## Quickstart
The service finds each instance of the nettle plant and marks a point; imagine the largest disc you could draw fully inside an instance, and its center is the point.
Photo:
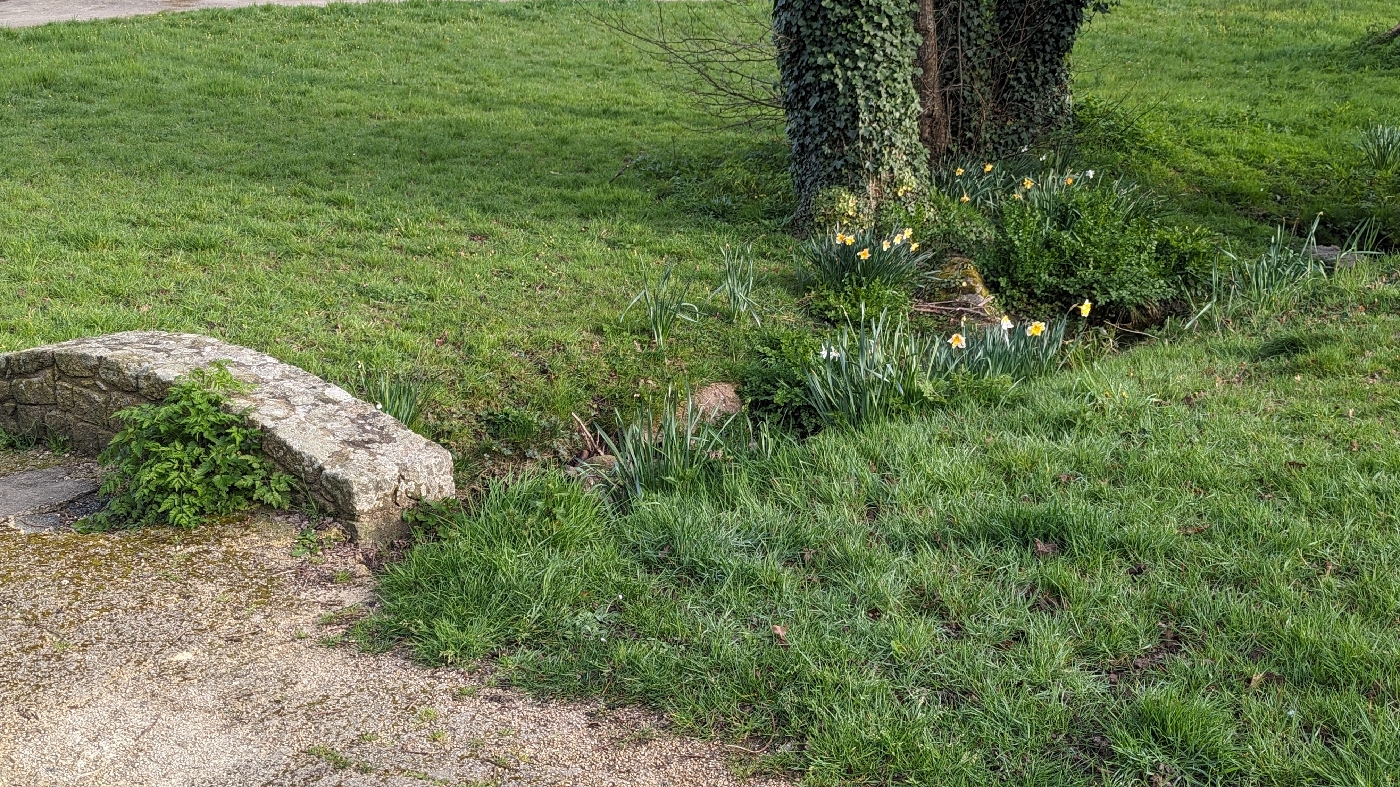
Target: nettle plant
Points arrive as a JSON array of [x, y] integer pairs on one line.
[[186, 459]]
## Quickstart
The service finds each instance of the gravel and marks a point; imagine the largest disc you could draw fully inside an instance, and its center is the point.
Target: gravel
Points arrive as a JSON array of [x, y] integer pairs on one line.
[[210, 657]]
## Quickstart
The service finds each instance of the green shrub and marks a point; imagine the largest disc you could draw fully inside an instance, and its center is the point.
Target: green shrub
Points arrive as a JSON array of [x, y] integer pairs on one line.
[[774, 381], [186, 459], [1067, 238], [946, 225]]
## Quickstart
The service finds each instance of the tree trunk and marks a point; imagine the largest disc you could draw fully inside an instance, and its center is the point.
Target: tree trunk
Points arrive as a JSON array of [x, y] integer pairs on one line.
[[935, 130], [1392, 34]]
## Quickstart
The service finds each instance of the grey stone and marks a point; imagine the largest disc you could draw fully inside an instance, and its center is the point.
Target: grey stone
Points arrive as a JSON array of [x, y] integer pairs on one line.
[[29, 419], [25, 362], [360, 463], [33, 390], [86, 404], [37, 491], [76, 364]]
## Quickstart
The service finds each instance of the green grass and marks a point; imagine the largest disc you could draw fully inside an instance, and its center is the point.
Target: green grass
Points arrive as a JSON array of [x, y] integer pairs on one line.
[[427, 189], [1247, 110], [1182, 562]]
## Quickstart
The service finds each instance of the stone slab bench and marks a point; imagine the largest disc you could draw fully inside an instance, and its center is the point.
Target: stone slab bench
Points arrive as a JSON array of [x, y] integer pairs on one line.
[[356, 461]]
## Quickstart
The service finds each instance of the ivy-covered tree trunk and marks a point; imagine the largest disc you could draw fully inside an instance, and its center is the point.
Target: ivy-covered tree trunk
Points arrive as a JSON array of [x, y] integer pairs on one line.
[[994, 74], [876, 91], [849, 96]]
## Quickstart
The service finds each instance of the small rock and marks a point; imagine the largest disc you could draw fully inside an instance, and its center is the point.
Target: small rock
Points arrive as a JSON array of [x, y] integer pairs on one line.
[[716, 402]]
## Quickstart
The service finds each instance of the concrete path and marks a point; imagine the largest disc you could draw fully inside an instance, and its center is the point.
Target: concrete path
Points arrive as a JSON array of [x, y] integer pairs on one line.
[[27, 13]]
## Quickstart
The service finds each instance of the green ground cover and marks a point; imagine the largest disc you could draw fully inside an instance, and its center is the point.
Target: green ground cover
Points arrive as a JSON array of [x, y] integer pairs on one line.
[[427, 188], [1175, 565], [1247, 112], [1180, 564]]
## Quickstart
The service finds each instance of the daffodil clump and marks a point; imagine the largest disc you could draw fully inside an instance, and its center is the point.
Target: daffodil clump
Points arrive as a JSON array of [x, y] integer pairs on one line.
[[845, 270], [878, 367]]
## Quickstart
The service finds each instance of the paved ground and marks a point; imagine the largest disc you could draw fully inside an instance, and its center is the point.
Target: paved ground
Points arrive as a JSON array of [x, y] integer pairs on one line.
[[161, 658], [26, 13]]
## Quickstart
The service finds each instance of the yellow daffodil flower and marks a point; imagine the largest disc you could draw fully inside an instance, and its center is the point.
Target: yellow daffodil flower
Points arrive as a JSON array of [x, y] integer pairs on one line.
[[863, 254], [987, 167], [887, 246], [1006, 323], [966, 198], [1035, 328], [958, 172], [913, 247], [1085, 307], [1069, 181], [1027, 184], [957, 341], [1017, 195]]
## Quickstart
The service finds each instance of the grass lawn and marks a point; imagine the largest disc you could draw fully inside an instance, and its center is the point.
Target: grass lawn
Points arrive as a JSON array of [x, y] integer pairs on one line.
[[1180, 563], [427, 188], [1246, 111], [1176, 565]]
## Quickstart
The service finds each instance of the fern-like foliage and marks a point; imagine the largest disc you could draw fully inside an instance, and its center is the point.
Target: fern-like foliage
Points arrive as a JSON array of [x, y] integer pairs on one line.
[[186, 459]]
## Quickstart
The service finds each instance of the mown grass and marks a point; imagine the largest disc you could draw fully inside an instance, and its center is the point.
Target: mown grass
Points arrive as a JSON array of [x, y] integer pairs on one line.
[[1247, 112], [430, 189], [1181, 564]]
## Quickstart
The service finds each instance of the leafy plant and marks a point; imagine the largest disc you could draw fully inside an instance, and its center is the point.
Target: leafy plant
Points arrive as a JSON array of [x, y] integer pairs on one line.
[[870, 369], [1069, 236], [664, 304], [774, 380], [1381, 146], [736, 286], [396, 395], [658, 449], [186, 459]]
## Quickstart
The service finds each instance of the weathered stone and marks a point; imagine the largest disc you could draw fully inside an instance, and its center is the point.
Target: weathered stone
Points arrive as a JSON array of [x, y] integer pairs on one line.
[[29, 419], [76, 364], [33, 390], [357, 461], [28, 498], [119, 369], [25, 362], [115, 402], [8, 421], [85, 404]]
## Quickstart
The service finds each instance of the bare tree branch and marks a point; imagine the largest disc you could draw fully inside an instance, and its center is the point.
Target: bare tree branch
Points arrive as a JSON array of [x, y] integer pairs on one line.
[[725, 51]]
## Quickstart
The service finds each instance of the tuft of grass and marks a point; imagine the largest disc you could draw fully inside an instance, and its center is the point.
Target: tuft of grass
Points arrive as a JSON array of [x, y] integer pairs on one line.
[[395, 394], [736, 286], [665, 447], [1381, 146], [663, 305]]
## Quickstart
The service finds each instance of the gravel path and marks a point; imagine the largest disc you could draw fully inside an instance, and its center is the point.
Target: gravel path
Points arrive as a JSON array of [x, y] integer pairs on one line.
[[27, 13], [208, 658]]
